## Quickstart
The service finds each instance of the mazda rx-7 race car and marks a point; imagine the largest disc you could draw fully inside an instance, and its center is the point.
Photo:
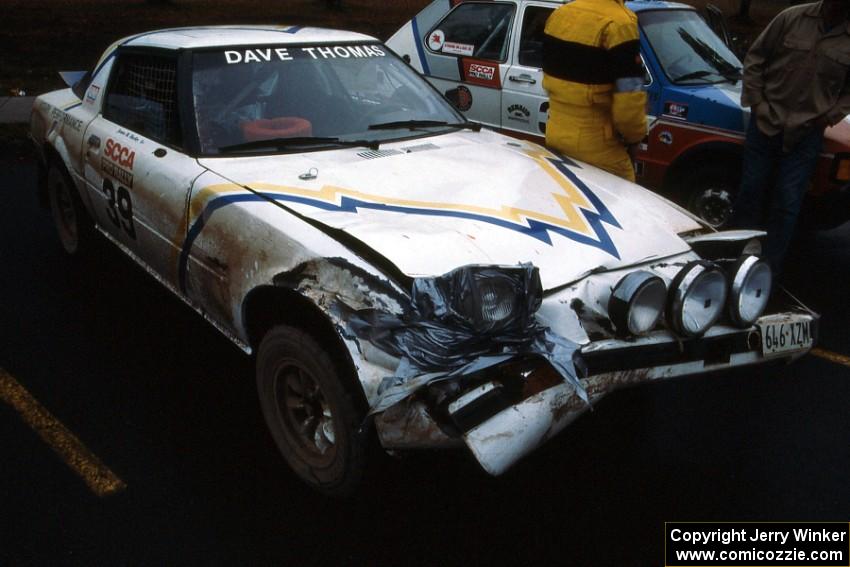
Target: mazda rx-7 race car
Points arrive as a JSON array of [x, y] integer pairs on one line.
[[395, 269]]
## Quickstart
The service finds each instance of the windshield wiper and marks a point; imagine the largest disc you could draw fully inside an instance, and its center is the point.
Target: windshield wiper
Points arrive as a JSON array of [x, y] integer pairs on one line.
[[696, 75], [300, 142], [727, 70], [414, 124]]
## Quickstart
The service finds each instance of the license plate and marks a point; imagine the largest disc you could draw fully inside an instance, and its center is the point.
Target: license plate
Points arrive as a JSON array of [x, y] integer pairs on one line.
[[785, 333]]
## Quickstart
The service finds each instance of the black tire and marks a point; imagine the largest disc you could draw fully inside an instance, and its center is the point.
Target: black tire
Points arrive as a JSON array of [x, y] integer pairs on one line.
[[711, 189], [70, 219], [311, 410]]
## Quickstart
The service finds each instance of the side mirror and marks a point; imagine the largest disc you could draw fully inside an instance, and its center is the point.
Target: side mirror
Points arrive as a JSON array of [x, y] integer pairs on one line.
[[81, 86]]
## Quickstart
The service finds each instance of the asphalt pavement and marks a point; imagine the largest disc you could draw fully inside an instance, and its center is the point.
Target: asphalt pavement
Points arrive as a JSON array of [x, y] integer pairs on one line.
[[169, 407], [15, 109]]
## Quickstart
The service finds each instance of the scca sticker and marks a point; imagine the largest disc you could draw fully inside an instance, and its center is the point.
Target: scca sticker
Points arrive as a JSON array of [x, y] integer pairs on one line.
[[121, 155], [481, 73]]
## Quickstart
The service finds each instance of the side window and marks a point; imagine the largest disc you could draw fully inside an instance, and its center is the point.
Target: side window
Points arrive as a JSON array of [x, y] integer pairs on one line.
[[474, 29], [531, 37], [143, 97]]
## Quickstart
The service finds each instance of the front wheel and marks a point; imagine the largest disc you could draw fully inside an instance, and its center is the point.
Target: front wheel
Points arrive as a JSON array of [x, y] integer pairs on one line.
[[311, 410], [712, 192]]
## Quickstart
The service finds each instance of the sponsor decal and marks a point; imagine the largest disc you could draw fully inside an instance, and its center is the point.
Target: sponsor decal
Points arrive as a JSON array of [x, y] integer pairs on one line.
[[92, 93], [58, 115], [665, 137], [267, 54], [436, 40], [676, 110], [460, 97], [121, 155], [480, 73], [121, 175], [518, 112], [453, 48]]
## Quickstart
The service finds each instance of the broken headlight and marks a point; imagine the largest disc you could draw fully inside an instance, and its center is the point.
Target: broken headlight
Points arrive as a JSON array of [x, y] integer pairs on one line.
[[750, 290], [696, 299], [485, 299], [637, 302]]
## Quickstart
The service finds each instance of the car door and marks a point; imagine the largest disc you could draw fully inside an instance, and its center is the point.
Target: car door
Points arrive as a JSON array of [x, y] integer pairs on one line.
[[468, 52], [525, 104], [137, 175]]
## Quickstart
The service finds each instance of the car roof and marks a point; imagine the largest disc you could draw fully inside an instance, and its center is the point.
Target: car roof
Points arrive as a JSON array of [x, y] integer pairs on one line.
[[216, 36], [637, 5], [643, 5]]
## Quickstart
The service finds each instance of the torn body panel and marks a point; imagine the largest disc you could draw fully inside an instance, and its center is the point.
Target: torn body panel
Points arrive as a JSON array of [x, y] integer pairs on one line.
[[504, 410], [501, 439], [219, 267]]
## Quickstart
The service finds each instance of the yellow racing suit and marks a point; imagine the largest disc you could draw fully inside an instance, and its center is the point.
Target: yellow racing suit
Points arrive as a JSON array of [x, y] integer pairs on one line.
[[594, 75]]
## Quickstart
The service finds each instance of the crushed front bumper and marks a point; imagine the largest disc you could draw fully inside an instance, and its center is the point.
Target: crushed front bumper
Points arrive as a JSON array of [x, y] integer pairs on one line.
[[501, 422]]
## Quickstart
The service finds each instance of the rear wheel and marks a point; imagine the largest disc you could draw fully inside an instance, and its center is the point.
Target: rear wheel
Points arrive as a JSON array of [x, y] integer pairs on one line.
[[311, 410], [70, 218]]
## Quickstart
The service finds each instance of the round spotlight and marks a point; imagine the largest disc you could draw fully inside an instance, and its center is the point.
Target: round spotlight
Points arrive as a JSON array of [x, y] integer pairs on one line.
[[697, 298], [636, 303], [750, 290]]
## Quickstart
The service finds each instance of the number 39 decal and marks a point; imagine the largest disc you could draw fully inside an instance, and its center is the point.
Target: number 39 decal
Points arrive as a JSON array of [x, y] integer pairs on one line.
[[119, 207]]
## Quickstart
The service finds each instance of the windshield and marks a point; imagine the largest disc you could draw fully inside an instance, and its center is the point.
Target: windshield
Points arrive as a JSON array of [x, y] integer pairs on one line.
[[312, 97], [688, 51]]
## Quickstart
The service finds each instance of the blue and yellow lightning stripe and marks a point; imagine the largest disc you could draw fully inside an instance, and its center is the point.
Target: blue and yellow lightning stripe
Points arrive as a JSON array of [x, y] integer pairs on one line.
[[582, 221]]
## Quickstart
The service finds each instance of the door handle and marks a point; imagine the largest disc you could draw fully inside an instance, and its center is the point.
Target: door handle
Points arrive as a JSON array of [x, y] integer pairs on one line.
[[94, 141], [522, 79]]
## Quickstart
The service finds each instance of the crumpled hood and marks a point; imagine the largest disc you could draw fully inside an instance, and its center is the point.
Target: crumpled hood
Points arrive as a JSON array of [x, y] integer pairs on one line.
[[433, 204]]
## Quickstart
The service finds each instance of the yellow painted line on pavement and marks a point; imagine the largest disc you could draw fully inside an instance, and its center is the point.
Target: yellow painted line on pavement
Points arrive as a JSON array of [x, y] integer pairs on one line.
[[94, 473], [831, 356]]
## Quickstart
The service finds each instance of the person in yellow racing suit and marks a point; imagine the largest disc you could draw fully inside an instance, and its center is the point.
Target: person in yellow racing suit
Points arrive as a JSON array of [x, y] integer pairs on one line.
[[594, 75]]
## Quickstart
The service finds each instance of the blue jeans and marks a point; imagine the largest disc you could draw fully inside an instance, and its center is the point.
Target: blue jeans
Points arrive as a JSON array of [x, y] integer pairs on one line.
[[773, 185]]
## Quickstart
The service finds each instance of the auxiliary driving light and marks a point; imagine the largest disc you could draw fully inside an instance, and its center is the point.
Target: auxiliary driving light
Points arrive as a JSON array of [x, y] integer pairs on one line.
[[750, 290], [637, 303], [697, 297]]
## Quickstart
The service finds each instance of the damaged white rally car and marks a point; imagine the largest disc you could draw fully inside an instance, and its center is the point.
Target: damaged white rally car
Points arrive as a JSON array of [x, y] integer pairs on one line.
[[395, 269]]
